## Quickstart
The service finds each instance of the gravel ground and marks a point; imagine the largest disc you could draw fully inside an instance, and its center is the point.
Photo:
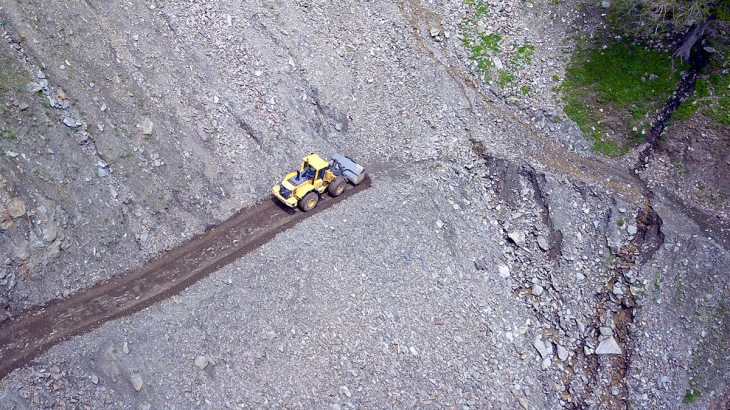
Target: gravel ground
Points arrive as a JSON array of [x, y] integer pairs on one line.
[[494, 263]]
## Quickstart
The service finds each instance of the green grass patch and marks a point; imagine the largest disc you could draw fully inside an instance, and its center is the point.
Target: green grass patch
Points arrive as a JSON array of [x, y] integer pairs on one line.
[[611, 89], [7, 133], [691, 396]]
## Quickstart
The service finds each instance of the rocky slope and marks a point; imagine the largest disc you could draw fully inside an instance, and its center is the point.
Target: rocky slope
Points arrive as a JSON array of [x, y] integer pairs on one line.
[[495, 263]]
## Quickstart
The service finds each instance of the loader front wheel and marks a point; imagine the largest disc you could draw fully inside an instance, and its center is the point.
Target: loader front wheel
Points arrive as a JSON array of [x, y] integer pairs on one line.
[[337, 187], [309, 201]]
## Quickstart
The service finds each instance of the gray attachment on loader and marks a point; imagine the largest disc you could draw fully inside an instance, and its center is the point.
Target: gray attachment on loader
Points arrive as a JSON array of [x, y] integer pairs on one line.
[[347, 168]]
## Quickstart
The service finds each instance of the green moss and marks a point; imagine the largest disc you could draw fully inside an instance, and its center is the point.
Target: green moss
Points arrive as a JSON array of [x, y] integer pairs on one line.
[[685, 110], [691, 396], [619, 80], [702, 88]]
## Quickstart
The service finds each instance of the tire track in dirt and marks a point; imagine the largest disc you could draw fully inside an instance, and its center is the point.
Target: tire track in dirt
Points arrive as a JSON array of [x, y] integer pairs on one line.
[[35, 331]]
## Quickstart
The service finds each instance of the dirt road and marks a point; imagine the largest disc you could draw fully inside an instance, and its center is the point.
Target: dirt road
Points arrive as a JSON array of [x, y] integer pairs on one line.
[[26, 336]]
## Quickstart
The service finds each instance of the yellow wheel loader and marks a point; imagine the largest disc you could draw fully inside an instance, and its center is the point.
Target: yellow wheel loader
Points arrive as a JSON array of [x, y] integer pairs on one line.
[[303, 187]]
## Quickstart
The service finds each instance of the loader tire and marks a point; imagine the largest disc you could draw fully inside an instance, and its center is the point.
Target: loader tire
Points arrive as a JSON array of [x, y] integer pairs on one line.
[[337, 187], [309, 201]]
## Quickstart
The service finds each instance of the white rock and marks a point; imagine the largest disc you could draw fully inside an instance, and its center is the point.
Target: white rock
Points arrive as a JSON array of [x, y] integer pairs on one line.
[[562, 353], [631, 229], [136, 381], [503, 271], [146, 126], [540, 347], [201, 362], [608, 346], [518, 237]]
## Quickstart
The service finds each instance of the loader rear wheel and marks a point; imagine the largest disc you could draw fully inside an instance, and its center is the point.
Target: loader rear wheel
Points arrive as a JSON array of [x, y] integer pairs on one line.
[[309, 201], [337, 187]]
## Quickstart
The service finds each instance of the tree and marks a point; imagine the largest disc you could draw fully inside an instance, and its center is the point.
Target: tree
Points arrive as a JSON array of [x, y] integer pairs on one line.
[[659, 18]]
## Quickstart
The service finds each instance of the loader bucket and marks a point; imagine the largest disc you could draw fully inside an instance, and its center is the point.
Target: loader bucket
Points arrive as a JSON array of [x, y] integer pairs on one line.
[[347, 168]]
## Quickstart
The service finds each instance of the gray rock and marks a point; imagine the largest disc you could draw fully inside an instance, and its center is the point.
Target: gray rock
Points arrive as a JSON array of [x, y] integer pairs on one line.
[[562, 353], [540, 347], [95, 379], [125, 348], [618, 289], [480, 264], [608, 346], [271, 335], [537, 290], [70, 122], [34, 87], [201, 362], [631, 229], [137, 381], [543, 243], [143, 237], [606, 331], [518, 238], [146, 126]]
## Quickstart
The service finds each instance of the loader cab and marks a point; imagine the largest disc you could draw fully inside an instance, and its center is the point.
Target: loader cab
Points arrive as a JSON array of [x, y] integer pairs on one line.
[[314, 167]]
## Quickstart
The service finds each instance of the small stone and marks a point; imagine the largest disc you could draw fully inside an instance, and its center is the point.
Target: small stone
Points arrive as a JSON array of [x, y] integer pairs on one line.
[[95, 379], [480, 264], [16, 209], [618, 289], [503, 271], [125, 348], [271, 335], [608, 346], [136, 381], [146, 126], [143, 237], [631, 229], [543, 243], [518, 238], [562, 353], [414, 351], [103, 107], [439, 223], [540, 347], [11, 154], [606, 4], [70, 122], [606, 331], [537, 290], [201, 362], [34, 87]]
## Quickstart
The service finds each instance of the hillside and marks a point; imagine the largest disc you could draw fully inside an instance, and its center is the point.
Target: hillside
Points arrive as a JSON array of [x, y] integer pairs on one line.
[[495, 262]]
